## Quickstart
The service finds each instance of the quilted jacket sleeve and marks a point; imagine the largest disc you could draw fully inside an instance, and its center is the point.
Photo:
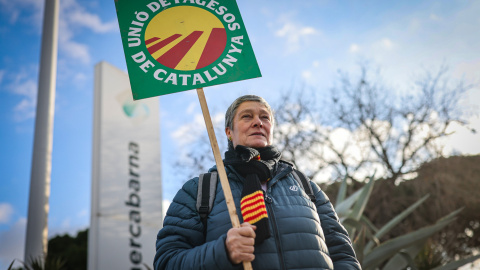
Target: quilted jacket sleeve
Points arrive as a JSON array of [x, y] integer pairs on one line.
[[181, 242], [336, 237]]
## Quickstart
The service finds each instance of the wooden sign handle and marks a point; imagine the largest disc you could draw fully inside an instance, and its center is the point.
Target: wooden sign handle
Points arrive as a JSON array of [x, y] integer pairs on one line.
[[220, 168]]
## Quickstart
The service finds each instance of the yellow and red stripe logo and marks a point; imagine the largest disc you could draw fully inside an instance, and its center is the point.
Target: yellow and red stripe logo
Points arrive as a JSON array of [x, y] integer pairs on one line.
[[185, 38], [253, 207]]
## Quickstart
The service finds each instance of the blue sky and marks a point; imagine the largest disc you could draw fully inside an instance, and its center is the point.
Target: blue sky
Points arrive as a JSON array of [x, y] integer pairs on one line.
[[295, 42]]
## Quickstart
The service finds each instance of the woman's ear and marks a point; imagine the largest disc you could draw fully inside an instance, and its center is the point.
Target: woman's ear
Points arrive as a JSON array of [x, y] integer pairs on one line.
[[228, 132]]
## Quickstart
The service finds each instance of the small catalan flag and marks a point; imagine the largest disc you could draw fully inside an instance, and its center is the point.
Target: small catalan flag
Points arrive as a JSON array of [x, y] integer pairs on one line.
[[253, 208]]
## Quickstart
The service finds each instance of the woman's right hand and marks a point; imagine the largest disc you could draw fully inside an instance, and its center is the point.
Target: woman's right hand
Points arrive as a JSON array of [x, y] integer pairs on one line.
[[239, 243]]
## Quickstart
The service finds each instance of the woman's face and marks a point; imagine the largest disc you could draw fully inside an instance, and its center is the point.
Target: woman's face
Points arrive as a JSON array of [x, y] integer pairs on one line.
[[252, 125]]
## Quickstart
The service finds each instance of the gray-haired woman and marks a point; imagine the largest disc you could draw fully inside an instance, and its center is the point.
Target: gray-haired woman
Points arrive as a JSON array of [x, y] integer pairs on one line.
[[283, 228]]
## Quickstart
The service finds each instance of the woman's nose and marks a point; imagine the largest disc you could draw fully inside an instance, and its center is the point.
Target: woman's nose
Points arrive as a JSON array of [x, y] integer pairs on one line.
[[257, 122]]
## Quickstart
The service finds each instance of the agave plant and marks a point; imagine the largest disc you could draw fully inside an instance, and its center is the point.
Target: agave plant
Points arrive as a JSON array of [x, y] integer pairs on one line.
[[40, 264], [396, 253]]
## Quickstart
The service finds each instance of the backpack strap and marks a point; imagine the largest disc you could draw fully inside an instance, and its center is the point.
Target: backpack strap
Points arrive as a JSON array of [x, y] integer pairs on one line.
[[304, 184], [207, 186]]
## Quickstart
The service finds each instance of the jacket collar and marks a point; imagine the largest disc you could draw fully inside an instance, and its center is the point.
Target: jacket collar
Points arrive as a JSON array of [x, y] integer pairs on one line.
[[282, 170]]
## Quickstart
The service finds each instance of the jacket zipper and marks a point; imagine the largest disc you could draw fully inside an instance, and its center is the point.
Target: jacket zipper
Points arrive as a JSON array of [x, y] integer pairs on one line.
[[269, 201]]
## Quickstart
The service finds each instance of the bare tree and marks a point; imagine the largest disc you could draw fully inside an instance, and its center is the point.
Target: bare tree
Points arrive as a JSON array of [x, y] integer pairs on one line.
[[368, 127], [197, 156]]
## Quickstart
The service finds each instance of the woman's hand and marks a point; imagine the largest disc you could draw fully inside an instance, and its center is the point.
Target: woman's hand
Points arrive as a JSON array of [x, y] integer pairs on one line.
[[240, 243]]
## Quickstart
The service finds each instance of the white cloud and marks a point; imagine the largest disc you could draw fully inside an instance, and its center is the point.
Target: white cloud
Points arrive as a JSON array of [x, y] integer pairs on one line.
[[426, 37], [387, 43], [165, 205], [74, 17], [77, 16], [307, 31], [189, 132], [194, 135], [83, 213], [80, 78], [75, 50], [6, 211], [65, 227], [23, 85], [382, 45], [66, 223], [463, 140], [469, 69], [13, 243], [295, 34], [191, 108], [306, 75], [434, 17], [354, 48], [70, 225], [80, 17], [25, 109], [30, 11]]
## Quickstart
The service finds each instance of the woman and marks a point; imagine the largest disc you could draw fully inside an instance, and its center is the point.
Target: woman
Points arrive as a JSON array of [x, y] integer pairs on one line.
[[285, 229]]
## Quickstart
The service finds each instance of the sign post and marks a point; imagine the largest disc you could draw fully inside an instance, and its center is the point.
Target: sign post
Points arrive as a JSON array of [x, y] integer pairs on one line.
[[218, 160], [178, 45]]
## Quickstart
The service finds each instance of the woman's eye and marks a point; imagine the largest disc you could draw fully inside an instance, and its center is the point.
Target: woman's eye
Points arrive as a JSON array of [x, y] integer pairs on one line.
[[245, 116]]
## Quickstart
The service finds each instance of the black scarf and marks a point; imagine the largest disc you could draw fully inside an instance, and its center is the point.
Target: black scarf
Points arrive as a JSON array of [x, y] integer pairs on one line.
[[256, 166]]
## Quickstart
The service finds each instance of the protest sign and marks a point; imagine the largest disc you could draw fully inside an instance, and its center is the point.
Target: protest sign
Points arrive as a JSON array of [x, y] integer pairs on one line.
[[177, 45]]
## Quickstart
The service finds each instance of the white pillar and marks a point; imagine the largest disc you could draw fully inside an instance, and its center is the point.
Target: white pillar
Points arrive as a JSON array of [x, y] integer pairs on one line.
[[37, 224]]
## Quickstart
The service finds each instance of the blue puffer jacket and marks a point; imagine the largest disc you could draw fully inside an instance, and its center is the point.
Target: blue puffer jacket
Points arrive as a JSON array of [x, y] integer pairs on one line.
[[300, 239]]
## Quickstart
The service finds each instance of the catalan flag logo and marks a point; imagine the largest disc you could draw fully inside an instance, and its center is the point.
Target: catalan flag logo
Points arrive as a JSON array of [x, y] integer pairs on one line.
[[185, 38], [253, 207]]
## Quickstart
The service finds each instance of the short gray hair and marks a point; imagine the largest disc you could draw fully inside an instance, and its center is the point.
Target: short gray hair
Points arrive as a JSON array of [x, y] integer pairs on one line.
[[232, 109]]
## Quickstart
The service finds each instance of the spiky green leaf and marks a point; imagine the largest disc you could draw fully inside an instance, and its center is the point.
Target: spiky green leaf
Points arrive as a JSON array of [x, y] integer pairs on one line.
[[10, 266], [395, 221], [342, 192], [400, 261], [409, 259], [345, 206], [359, 244], [391, 247], [362, 201], [456, 264]]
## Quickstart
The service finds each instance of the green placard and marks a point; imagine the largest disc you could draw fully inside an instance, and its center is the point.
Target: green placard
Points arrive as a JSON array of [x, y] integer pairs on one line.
[[177, 45]]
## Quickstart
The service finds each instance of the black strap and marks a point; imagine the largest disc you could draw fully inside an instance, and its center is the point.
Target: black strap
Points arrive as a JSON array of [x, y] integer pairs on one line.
[[304, 183], [203, 210], [207, 185]]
